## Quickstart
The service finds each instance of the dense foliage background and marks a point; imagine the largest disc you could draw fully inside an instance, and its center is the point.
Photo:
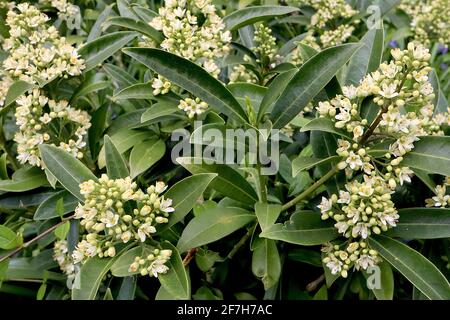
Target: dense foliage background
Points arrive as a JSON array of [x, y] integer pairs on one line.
[[93, 204]]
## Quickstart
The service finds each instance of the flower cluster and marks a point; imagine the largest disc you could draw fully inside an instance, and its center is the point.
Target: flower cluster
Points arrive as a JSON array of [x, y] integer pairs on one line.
[[193, 107], [194, 31], [363, 209], [265, 45], [65, 9], [65, 261], [430, 20], [116, 211], [324, 18], [356, 253], [5, 83], [404, 95], [36, 51], [41, 120], [295, 57], [153, 264], [441, 199], [241, 74]]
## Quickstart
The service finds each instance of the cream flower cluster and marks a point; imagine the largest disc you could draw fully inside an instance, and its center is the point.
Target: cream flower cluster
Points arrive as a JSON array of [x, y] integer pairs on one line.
[[5, 83], [441, 198], [65, 261], [265, 44], [363, 209], [356, 253], [36, 51], [193, 107], [295, 57], [405, 96], [241, 74], [430, 20], [194, 31], [42, 120], [322, 21], [116, 211], [65, 9], [153, 264]]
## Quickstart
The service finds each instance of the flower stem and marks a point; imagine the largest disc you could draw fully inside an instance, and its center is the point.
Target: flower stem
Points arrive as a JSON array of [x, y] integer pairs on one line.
[[242, 241], [310, 190]]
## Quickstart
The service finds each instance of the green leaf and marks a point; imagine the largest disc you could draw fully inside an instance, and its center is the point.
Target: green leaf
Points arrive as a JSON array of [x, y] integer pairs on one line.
[[9, 239], [422, 223], [135, 25], [228, 182], [100, 49], [440, 102], [415, 267], [305, 228], [184, 195], [190, 77], [145, 154], [92, 83], [47, 209], [124, 139], [305, 163], [367, 58], [96, 29], [90, 276], [127, 289], [274, 90], [326, 125], [62, 230], [243, 90], [213, 225], [310, 79], [430, 154], [26, 178], [266, 263], [69, 171], [3, 167], [116, 166], [250, 15], [267, 214], [159, 110], [120, 76], [17, 89], [135, 91], [386, 283], [176, 281]]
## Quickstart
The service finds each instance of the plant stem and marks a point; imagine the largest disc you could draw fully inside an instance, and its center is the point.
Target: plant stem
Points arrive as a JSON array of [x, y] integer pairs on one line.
[[314, 284], [39, 236], [242, 241], [190, 255], [373, 126], [310, 190]]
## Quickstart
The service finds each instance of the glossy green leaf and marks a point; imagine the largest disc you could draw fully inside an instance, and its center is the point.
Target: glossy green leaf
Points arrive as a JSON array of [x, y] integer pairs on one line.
[[135, 25], [422, 223], [367, 58], [191, 77], [310, 79], [250, 15], [145, 154], [69, 171], [24, 179], [47, 209], [8, 238], [415, 267], [212, 226], [267, 214], [304, 228], [266, 263], [62, 230], [430, 154], [141, 91], [158, 110], [185, 193], [91, 275], [384, 288], [116, 166], [176, 281], [305, 163], [228, 182], [100, 49], [17, 89], [325, 125], [124, 140]]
